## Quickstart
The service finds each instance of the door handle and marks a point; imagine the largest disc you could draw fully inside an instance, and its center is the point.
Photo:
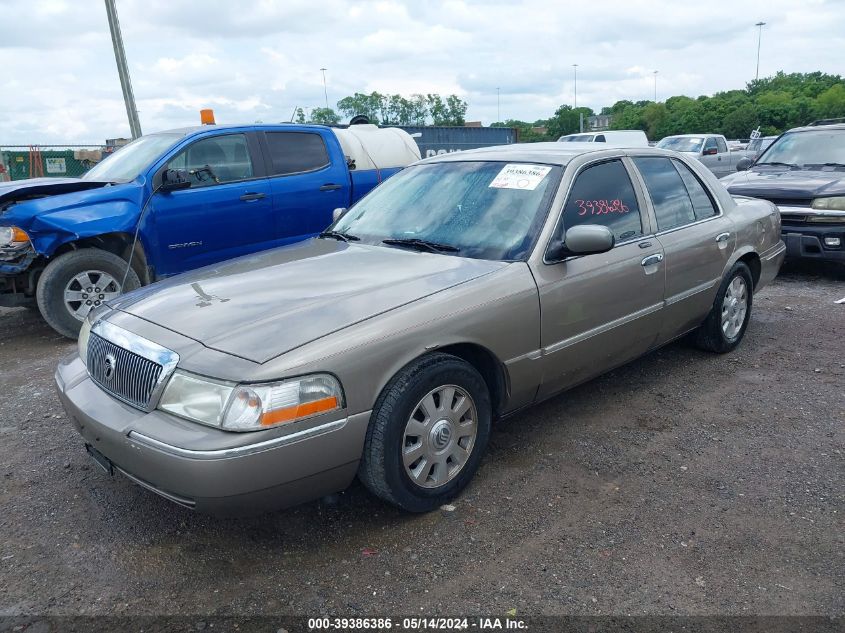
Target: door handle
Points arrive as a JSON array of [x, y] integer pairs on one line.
[[652, 259], [247, 197], [723, 237], [330, 187]]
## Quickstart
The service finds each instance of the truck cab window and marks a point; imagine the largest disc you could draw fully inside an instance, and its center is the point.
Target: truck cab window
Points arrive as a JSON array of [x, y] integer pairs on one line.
[[296, 152], [215, 160]]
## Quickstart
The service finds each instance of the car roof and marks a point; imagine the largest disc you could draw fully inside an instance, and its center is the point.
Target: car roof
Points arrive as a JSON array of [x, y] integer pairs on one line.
[[810, 128], [552, 152], [194, 129]]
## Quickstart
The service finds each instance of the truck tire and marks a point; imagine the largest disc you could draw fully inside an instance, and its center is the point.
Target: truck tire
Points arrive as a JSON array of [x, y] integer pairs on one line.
[[725, 326], [75, 283], [427, 434]]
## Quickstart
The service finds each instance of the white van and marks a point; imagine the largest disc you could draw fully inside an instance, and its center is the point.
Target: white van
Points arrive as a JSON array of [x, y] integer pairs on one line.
[[613, 138]]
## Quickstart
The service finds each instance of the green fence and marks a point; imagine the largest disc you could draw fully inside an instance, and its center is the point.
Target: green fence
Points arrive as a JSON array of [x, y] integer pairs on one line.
[[68, 161]]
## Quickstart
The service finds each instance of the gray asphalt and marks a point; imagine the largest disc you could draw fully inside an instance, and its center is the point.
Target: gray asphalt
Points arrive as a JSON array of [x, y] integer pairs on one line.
[[683, 483]]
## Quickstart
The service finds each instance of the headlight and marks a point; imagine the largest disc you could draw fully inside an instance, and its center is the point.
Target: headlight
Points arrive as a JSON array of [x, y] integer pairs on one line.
[[829, 204], [12, 236], [250, 407]]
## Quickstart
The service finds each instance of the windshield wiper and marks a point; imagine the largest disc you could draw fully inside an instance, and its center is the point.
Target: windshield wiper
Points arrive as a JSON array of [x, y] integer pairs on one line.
[[421, 245], [824, 165], [790, 165], [340, 236]]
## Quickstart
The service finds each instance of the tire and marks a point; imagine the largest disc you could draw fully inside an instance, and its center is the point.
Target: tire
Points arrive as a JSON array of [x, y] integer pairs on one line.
[[714, 335], [397, 413], [69, 275]]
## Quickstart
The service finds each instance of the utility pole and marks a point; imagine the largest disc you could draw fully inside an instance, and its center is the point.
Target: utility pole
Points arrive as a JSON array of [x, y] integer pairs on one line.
[[325, 92], [498, 106], [759, 26], [655, 86], [123, 70], [575, 69]]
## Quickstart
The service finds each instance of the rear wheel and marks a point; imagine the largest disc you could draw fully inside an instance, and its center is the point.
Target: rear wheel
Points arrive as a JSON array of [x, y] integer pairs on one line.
[[428, 433], [725, 326], [75, 283]]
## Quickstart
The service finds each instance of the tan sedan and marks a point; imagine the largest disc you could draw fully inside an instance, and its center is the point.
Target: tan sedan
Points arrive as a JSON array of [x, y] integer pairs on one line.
[[461, 290]]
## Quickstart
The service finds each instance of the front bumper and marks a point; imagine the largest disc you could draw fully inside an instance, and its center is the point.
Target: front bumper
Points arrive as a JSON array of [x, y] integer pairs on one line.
[[207, 469], [806, 239]]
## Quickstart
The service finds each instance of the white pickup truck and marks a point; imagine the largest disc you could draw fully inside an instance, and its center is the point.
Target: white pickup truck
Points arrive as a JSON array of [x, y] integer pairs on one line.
[[710, 149]]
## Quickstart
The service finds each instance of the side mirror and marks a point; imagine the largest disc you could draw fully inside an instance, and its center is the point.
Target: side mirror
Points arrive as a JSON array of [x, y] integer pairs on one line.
[[338, 213], [174, 179], [710, 152], [584, 239], [744, 163]]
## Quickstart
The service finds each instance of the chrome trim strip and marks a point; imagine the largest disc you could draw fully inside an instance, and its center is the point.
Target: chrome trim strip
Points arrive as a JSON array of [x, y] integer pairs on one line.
[[686, 294], [833, 213], [238, 451], [776, 250], [555, 347], [534, 354], [145, 348]]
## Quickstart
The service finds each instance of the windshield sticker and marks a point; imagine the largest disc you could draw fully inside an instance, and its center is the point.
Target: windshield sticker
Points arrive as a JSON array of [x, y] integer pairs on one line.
[[519, 176]]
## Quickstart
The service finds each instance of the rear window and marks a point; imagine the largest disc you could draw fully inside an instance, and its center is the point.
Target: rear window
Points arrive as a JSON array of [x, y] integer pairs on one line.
[[296, 152]]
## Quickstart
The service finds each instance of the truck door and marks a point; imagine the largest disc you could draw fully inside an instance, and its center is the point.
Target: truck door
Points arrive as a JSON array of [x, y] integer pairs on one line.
[[308, 180], [226, 212]]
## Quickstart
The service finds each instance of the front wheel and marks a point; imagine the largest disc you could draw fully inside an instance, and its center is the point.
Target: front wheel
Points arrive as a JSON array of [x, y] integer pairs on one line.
[[75, 283], [428, 433], [725, 326]]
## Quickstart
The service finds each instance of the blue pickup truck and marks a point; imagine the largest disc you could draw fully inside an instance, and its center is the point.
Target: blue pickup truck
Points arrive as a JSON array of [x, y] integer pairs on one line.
[[177, 200]]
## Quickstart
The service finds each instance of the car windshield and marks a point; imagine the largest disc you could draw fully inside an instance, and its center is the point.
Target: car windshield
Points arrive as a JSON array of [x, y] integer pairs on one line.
[[816, 147], [682, 143], [485, 210], [127, 162]]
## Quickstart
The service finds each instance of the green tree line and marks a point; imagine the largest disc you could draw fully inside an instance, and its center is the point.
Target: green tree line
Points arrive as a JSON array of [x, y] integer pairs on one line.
[[418, 109], [773, 104]]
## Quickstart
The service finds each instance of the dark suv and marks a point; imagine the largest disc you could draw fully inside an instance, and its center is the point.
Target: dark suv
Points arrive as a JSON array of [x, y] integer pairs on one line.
[[803, 173]]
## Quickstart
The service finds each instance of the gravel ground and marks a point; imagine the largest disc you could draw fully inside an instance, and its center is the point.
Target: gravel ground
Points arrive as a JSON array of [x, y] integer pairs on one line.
[[683, 483]]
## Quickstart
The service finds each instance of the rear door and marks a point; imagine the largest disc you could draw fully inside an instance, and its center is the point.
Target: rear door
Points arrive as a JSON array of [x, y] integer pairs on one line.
[[599, 311], [306, 183], [226, 212], [696, 237]]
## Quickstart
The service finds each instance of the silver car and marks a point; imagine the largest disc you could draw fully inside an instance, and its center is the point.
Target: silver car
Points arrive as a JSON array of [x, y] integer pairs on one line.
[[464, 289]]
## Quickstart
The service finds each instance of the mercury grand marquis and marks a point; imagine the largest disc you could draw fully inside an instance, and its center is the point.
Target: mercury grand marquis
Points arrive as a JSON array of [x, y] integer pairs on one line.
[[465, 288]]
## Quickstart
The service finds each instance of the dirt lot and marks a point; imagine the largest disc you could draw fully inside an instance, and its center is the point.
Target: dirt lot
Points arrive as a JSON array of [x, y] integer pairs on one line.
[[684, 483]]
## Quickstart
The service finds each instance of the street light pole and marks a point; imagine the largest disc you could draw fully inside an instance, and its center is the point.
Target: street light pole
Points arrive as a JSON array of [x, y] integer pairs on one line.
[[575, 70], [498, 106], [655, 86], [759, 26], [123, 70], [325, 91]]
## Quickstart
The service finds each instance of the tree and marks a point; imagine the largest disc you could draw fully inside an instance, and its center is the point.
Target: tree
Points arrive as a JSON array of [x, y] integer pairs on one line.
[[567, 120], [324, 116], [359, 103], [456, 109], [300, 116]]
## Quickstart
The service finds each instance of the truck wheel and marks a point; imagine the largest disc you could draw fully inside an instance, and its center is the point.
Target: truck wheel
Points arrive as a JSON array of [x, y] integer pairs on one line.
[[725, 326], [75, 283], [428, 432]]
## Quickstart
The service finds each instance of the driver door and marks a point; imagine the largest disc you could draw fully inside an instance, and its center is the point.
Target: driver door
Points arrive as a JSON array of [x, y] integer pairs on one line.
[[600, 311]]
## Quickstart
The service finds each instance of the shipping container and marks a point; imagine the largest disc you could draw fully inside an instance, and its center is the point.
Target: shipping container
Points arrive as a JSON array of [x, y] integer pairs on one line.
[[434, 140]]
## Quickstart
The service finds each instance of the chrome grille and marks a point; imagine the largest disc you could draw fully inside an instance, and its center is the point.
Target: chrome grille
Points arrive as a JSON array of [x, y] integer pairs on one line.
[[124, 374]]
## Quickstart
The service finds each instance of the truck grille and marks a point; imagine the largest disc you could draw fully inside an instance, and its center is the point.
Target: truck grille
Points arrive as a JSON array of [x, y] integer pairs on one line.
[[124, 374]]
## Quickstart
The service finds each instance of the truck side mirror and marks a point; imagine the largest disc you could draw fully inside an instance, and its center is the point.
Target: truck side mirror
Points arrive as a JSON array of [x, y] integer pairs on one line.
[[174, 179], [338, 213], [744, 163], [710, 152]]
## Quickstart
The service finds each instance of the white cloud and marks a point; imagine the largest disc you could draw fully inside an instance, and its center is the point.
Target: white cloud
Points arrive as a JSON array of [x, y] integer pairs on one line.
[[261, 59]]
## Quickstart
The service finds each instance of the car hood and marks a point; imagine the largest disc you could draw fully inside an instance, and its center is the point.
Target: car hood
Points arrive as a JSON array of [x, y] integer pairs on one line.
[[771, 182], [260, 306]]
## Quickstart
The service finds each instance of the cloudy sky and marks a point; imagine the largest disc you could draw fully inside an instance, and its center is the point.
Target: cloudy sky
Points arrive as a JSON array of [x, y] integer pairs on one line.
[[259, 59]]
